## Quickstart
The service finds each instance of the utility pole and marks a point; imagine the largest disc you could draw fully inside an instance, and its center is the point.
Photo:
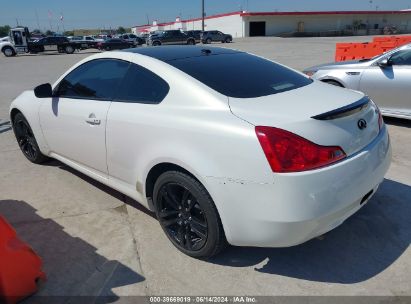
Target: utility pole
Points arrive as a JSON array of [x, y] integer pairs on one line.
[[202, 15], [37, 19]]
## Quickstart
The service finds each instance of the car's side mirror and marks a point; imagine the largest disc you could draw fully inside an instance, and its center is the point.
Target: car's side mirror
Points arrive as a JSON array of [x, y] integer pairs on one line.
[[384, 63], [43, 91]]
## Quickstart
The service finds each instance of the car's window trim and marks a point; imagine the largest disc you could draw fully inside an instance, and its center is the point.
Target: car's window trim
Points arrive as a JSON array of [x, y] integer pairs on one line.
[[88, 98]]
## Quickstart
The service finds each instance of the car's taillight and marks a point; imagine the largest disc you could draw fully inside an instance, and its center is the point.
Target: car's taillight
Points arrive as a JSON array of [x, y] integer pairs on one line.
[[287, 152]]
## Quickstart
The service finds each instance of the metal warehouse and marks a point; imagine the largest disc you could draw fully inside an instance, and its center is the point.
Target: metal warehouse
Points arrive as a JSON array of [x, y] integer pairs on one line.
[[325, 23]]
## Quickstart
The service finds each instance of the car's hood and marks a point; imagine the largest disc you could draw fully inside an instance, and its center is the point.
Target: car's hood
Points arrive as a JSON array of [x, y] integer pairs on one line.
[[339, 65]]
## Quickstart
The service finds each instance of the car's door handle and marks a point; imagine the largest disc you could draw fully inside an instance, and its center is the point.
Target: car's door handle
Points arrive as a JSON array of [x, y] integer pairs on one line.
[[92, 120]]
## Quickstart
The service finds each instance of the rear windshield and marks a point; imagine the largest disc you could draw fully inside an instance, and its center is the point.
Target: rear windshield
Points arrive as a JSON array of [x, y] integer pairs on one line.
[[241, 75]]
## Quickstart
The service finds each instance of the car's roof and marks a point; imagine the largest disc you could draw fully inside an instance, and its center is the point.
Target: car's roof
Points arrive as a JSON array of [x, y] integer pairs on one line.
[[168, 53]]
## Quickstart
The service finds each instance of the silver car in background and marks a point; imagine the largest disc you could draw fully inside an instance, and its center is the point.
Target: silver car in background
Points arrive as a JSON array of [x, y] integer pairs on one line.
[[385, 78]]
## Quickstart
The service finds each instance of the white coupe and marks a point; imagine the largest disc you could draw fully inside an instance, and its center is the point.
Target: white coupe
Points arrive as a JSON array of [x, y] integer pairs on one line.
[[224, 146]]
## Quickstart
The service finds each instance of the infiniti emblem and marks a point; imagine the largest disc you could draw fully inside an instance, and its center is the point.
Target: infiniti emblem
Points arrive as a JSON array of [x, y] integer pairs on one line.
[[362, 124]]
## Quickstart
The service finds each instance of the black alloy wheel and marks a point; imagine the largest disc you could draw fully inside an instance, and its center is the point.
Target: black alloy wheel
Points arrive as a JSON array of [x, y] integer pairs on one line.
[[182, 217], [187, 215], [26, 140]]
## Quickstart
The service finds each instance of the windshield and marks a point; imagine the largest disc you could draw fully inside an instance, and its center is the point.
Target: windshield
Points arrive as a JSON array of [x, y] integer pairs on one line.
[[388, 53]]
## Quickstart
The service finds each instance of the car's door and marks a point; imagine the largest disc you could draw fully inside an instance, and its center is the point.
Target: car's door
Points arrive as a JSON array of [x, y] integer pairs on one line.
[[219, 36], [131, 116], [214, 36], [167, 37], [51, 44], [181, 37], [74, 121], [116, 44], [389, 85]]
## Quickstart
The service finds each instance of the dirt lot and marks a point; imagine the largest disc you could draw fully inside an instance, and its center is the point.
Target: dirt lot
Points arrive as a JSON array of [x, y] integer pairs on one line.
[[95, 241]]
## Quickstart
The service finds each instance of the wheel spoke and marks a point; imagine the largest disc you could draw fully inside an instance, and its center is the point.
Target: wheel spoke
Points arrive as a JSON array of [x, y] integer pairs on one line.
[[170, 222], [180, 236], [199, 228], [185, 196], [188, 242], [166, 213], [170, 198]]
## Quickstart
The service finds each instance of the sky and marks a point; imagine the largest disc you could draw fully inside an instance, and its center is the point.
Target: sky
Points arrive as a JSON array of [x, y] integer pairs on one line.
[[46, 14]]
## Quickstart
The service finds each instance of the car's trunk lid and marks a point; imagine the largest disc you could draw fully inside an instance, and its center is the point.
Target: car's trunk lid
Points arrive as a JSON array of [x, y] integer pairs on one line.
[[319, 112]]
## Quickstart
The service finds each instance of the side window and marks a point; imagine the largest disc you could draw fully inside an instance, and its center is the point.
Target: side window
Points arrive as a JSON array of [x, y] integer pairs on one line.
[[142, 86], [401, 58], [97, 79]]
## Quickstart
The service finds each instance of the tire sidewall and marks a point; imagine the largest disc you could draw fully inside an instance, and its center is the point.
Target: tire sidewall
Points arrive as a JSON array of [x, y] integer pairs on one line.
[[8, 48], [206, 204], [69, 49], [40, 157]]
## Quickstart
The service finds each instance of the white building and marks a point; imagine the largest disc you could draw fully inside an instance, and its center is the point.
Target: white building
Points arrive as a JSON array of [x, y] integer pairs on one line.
[[245, 24]]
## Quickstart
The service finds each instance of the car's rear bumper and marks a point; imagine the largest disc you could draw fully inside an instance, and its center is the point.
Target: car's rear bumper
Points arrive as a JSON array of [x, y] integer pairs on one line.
[[297, 207]]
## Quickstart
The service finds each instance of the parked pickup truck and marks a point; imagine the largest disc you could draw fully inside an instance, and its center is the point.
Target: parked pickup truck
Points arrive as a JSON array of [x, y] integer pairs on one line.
[[170, 37], [20, 42]]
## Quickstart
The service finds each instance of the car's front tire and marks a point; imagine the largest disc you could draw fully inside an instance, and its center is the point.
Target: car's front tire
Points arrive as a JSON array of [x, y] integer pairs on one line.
[[208, 41], [26, 140], [8, 51], [69, 49], [188, 215]]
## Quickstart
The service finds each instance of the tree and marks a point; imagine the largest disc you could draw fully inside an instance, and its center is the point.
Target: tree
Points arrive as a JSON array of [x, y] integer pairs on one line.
[[49, 33], [121, 30], [36, 31], [4, 30], [68, 33]]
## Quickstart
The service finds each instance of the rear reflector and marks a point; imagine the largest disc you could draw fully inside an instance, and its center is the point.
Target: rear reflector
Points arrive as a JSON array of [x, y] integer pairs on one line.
[[287, 152]]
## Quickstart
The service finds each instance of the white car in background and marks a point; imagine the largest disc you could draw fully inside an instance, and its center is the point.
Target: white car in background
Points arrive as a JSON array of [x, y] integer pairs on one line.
[[221, 144], [385, 78]]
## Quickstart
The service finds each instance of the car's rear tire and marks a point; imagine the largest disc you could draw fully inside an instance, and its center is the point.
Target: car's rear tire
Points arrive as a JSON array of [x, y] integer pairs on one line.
[[191, 42], [188, 216], [334, 83], [8, 51], [208, 41], [228, 40], [107, 48], [69, 49], [26, 140], [156, 43]]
